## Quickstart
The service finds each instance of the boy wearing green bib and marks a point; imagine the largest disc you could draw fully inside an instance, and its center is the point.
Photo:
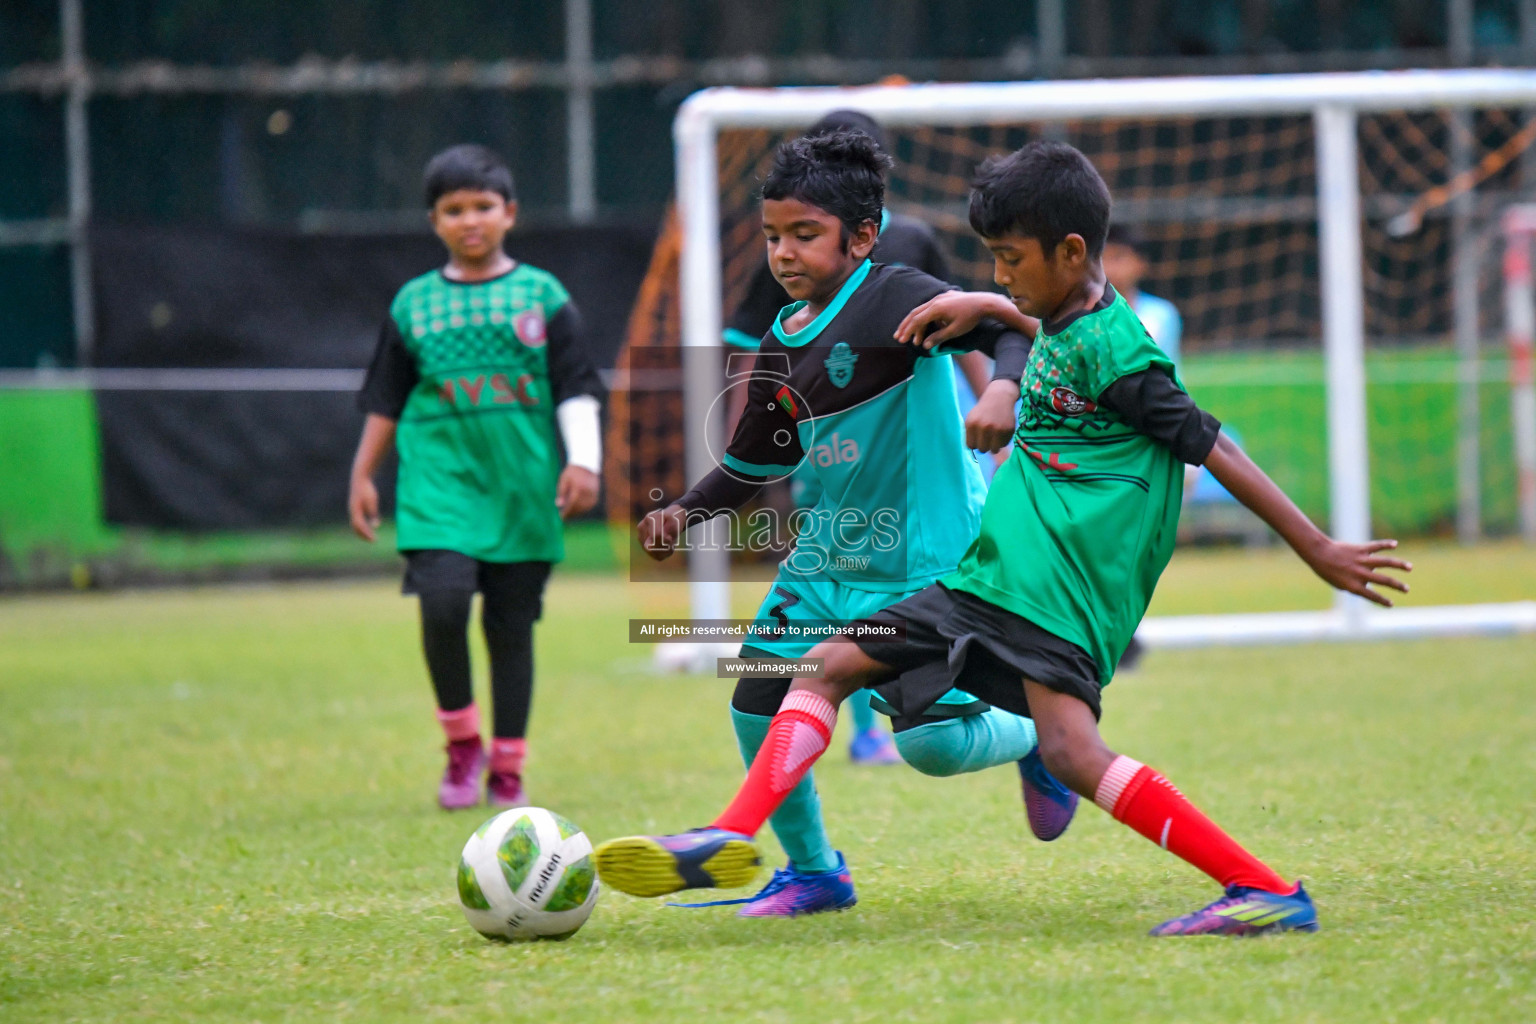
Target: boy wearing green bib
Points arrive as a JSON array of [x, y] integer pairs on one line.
[[476, 366]]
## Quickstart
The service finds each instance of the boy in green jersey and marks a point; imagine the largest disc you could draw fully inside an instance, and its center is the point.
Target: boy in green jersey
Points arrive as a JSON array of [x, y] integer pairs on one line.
[[1075, 531], [476, 365]]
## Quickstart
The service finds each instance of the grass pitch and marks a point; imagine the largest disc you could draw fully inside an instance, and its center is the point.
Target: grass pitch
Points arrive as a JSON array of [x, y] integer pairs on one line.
[[216, 804]]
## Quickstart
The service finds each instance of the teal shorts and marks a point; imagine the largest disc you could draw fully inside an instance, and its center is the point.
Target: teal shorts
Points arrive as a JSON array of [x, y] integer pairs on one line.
[[814, 605]]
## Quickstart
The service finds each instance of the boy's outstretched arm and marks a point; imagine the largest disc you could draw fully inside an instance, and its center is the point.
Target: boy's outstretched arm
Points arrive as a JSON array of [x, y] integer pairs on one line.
[[764, 445], [718, 492], [1350, 567], [948, 315], [362, 495]]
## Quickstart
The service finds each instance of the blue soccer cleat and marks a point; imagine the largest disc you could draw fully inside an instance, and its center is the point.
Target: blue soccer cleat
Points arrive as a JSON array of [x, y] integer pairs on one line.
[[791, 893], [705, 858], [1245, 911], [1047, 803]]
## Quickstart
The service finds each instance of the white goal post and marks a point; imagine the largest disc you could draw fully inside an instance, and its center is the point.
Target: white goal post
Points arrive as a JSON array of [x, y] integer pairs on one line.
[[1334, 102]]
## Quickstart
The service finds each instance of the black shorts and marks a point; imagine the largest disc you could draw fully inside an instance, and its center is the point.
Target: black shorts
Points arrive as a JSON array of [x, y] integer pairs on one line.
[[763, 695], [450, 572], [955, 639]]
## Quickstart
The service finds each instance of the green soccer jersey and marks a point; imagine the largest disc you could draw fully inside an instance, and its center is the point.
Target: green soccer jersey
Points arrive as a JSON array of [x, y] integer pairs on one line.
[[472, 372], [1080, 522]]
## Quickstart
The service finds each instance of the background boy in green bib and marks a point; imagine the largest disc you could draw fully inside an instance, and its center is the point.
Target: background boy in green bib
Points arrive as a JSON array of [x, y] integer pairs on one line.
[[476, 365]]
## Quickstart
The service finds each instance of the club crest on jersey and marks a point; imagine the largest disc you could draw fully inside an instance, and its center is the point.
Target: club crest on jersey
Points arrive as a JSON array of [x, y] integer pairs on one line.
[[786, 400], [1070, 403], [840, 364], [529, 326]]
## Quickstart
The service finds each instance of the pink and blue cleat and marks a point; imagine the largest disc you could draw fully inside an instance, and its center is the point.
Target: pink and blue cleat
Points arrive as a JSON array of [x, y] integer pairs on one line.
[[1244, 911], [873, 746], [460, 787], [1048, 804], [793, 893], [705, 858]]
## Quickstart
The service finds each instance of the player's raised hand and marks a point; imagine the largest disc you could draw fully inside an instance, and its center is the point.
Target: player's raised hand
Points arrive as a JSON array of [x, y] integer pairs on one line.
[[659, 530], [942, 318], [990, 423], [1353, 568], [363, 508], [575, 491]]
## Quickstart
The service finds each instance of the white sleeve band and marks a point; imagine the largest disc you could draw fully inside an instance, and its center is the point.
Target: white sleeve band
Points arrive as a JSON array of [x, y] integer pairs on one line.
[[581, 431]]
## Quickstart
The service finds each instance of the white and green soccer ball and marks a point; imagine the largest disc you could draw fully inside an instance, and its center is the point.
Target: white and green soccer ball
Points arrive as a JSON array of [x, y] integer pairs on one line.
[[527, 874]]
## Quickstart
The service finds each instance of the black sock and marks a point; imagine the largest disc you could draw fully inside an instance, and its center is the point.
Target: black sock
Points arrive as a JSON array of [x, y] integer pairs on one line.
[[445, 640], [760, 695]]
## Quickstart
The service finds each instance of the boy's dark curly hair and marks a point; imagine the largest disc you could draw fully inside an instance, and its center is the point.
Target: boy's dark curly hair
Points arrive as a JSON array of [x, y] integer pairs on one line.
[[841, 172]]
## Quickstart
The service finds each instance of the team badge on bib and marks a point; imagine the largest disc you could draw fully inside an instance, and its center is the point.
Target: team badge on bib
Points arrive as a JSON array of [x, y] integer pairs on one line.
[[840, 364], [529, 326], [1070, 403]]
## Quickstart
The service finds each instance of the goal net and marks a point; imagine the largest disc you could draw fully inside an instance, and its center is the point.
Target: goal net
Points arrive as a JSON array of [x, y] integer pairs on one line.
[[1332, 245]]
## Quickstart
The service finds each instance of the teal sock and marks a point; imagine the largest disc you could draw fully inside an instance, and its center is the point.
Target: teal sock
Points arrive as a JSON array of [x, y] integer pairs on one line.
[[958, 745], [797, 822], [863, 714]]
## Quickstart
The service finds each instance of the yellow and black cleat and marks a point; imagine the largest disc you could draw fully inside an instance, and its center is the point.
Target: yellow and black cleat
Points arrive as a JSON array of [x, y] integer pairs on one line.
[[706, 858]]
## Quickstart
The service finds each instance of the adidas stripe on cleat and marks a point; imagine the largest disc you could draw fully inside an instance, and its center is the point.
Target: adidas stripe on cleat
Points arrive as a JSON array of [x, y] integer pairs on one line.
[[705, 858], [1244, 911]]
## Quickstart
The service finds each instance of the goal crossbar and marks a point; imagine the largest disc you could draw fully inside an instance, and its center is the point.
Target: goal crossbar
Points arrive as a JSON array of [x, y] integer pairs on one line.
[[1333, 100]]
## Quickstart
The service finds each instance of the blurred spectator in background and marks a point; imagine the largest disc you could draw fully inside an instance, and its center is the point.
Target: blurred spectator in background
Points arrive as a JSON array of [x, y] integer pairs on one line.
[[1125, 264]]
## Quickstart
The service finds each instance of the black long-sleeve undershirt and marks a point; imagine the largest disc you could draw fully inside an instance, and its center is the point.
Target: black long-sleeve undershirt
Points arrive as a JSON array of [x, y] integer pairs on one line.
[[1153, 404], [719, 491]]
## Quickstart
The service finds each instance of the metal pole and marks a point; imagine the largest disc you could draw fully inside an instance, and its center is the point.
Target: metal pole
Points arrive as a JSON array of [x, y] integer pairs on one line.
[[1520, 332], [1458, 31], [1527, 57], [580, 137], [1338, 212], [1050, 36], [77, 151], [1464, 298], [698, 208], [1464, 301]]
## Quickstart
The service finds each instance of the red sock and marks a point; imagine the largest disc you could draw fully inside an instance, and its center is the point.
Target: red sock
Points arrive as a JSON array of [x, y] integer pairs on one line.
[[1141, 798], [797, 736]]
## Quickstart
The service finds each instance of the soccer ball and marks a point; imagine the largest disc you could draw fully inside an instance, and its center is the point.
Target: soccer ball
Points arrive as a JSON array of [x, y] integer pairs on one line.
[[527, 874]]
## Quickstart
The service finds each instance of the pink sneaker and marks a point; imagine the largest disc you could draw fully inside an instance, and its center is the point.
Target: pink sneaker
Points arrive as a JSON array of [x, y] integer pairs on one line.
[[505, 789], [460, 787]]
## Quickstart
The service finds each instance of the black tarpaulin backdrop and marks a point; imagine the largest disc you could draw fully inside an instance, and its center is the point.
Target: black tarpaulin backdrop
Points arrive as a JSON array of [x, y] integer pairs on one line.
[[215, 298]]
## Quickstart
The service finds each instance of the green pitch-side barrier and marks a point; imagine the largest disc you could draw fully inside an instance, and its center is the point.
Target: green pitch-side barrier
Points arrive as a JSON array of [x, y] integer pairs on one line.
[[50, 481], [1276, 404], [52, 528]]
